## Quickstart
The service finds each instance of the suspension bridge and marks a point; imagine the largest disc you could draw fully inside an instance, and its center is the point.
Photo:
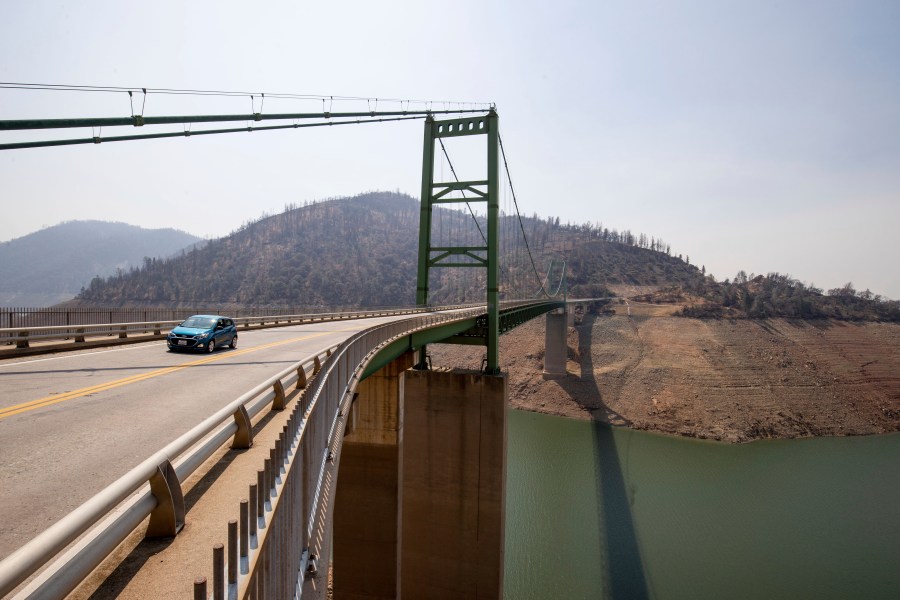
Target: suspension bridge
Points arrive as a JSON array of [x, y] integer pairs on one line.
[[419, 505]]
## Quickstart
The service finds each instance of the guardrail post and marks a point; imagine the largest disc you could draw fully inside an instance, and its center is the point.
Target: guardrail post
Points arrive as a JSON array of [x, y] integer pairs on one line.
[[243, 437], [22, 343], [301, 377], [252, 521], [279, 402], [317, 366], [79, 337], [232, 551], [219, 572], [157, 329], [167, 518], [244, 528], [123, 334], [261, 495], [200, 589]]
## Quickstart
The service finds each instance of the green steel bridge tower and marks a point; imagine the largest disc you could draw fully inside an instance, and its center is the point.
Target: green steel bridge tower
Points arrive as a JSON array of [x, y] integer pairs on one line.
[[484, 256]]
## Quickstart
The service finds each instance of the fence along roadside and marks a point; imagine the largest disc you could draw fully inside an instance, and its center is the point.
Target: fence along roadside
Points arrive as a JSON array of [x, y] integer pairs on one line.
[[75, 336]]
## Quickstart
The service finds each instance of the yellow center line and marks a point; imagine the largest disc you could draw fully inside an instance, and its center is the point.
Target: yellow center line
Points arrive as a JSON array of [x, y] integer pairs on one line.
[[57, 398]]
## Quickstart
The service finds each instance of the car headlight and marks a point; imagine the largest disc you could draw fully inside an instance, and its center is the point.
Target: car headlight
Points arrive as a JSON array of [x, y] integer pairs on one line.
[[203, 336]]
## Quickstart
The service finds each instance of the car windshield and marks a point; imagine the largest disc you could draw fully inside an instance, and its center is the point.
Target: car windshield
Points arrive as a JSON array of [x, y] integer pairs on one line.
[[199, 323]]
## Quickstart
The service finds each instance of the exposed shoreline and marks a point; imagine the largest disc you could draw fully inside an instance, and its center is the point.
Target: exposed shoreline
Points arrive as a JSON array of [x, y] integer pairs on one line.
[[728, 380]]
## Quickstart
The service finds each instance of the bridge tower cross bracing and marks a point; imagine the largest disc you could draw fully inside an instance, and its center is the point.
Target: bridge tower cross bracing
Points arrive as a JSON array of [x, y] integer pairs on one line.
[[468, 256]]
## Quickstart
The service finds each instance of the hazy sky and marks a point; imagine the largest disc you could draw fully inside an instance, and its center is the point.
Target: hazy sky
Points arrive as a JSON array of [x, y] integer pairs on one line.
[[762, 136]]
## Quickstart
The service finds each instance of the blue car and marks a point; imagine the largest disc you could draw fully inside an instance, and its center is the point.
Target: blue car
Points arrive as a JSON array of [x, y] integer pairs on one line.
[[203, 332]]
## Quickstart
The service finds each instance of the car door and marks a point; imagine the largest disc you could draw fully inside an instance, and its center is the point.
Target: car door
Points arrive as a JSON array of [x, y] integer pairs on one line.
[[221, 335]]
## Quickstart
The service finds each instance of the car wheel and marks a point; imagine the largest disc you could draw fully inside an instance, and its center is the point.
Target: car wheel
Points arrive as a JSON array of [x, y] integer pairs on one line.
[[233, 343], [212, 346]]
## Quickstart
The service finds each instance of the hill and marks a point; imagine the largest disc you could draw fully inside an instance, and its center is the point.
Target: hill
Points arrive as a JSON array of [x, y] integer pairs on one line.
[[779, 295], [345, 252], [54, 264], [362, 251], [641, 366]]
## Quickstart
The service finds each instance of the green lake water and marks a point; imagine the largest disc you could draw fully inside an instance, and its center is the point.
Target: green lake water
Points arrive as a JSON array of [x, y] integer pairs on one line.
[[600, 512]]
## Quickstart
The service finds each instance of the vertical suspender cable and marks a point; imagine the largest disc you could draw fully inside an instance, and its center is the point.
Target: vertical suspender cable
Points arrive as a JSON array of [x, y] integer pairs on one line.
[[518, 214]]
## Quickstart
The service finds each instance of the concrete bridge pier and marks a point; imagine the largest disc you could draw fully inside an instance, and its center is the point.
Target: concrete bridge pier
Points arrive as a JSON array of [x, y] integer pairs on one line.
[[453, 485], [366, 527], [555, 346], [420, 504]]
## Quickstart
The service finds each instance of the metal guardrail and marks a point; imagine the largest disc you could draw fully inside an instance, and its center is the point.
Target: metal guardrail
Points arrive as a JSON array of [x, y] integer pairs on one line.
[[283, 527], [153, 488], [77, 333], [21, 336]]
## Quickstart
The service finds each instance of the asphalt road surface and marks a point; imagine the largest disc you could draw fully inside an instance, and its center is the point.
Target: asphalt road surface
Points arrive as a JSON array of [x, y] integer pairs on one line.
[[72, 423]]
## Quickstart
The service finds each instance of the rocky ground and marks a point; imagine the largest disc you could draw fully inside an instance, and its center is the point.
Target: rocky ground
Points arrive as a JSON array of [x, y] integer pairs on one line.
[[732, 380]]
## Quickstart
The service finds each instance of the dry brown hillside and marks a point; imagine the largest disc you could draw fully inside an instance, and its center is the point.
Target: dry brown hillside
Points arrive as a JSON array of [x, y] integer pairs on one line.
[[731, 380]]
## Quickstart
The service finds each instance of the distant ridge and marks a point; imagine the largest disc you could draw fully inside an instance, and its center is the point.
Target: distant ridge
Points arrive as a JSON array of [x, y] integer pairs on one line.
[[53, 264], [362, 251]]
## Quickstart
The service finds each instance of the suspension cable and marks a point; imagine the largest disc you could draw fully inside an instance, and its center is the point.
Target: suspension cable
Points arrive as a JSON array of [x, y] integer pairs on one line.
[[547, 279], [57, 87], [518, 214], [139, 121], [189, 133], [452, 170]]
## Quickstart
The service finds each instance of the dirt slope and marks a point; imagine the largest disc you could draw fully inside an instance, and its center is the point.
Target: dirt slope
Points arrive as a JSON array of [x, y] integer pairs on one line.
[[731, 380]]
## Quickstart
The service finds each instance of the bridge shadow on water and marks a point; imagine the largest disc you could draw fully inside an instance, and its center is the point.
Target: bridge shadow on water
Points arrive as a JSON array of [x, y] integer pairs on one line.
[[623, 569]]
